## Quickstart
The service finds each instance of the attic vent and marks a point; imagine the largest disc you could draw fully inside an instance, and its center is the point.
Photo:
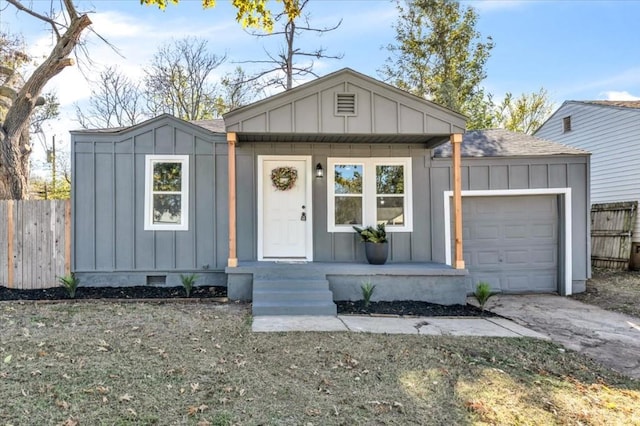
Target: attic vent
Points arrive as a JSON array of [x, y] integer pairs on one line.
[[345, 103], [566, 124]]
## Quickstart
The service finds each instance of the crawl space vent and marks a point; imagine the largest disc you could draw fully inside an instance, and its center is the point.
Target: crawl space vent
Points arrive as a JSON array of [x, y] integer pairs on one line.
[[345, 103], [156, 279]]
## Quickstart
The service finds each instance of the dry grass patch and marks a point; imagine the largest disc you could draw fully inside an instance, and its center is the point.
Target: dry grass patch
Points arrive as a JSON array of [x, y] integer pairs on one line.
[[613, 290], [497, 398], [109, 363]]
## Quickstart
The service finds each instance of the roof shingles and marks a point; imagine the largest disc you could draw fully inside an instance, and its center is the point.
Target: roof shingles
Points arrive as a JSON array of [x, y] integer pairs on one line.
[[503, 143], [621, 104]]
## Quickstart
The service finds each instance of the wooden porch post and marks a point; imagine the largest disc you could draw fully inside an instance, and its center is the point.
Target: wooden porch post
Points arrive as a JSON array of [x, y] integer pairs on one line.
[[456, 142], [232, 139]]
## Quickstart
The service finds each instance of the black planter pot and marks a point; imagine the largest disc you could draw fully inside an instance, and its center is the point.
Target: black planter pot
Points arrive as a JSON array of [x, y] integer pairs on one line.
[[376, 252]]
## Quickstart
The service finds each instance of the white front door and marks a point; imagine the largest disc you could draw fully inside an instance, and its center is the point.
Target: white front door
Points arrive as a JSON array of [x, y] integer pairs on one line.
[[284, 214]]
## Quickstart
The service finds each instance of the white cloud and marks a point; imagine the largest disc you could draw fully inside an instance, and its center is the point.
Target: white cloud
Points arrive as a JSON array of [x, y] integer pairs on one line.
[[115, 25], [629, 79], [613, 95]]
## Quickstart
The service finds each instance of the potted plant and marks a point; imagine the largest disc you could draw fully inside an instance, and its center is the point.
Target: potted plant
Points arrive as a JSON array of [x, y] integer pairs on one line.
[[376, 245]]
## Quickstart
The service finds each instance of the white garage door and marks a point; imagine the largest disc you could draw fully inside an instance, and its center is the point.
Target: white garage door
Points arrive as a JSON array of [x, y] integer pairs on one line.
[[511, 242]]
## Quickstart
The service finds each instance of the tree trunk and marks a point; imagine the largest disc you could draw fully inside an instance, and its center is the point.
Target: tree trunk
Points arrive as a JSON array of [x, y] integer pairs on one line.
[[14, 133], [14, 167]]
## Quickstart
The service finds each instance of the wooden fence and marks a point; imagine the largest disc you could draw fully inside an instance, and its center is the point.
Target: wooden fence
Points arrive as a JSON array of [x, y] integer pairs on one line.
[[611, 231], [35, 243]]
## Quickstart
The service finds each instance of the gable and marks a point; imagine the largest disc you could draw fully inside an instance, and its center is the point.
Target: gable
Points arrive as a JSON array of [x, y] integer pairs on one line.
[[153, 123], [342, 106], [603, 111]]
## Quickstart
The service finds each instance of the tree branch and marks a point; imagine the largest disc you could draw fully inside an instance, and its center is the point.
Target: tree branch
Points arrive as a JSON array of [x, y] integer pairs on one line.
[[21, 7]]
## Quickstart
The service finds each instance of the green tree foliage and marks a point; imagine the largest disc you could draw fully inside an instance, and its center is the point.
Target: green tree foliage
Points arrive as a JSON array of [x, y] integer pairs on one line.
[[438, 54], [44, 188], [524, 113], [251, 13]]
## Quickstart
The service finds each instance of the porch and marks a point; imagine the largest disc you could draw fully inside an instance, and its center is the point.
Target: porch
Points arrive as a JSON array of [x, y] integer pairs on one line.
[[290, 287]]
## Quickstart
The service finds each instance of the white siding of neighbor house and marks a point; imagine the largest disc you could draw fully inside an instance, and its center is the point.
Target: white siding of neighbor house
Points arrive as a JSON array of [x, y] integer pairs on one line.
[[612, 135]]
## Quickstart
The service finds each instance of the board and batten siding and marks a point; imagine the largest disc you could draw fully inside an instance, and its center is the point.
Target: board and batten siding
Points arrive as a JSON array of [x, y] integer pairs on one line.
[[520, 173], [379, 109], [111, 246], [612, 135], [336, 246]]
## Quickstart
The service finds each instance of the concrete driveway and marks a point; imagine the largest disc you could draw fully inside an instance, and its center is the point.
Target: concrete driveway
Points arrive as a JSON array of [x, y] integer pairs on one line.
[[611, 338]]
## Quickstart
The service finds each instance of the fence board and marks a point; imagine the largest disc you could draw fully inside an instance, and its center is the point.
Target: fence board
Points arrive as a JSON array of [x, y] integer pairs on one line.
[[4, 244], [34, 243], [611, 232]]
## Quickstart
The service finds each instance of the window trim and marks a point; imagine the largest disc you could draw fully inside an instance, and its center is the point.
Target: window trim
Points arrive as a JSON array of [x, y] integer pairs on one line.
[[150, 160], [369, 194]]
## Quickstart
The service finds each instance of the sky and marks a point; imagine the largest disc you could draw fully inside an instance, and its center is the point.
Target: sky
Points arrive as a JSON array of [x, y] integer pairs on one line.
[[575, 49]]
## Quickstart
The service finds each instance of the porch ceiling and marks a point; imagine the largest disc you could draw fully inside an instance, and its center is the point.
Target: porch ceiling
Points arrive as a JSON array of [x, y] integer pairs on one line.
[[429, 140]]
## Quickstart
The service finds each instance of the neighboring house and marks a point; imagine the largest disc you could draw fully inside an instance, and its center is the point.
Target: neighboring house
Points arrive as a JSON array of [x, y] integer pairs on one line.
[[610, 130], [168, 197]]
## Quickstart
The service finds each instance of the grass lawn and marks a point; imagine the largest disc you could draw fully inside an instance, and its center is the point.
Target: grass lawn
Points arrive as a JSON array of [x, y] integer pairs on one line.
[[617, 291], [108, 363]]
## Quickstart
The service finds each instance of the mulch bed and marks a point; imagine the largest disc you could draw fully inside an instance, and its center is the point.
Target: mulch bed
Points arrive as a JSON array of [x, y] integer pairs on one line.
[[397, 308], [410, 308], [137, 292]]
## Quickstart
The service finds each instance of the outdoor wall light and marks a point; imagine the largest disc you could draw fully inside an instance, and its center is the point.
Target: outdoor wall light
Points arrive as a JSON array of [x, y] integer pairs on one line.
[[319, 171]]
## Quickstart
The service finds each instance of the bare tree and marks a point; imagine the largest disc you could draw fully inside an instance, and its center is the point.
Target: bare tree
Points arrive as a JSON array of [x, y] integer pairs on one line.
[[180, 81], [116, 101], [49, 110], [238, 89], [20, 100], [283, 67]]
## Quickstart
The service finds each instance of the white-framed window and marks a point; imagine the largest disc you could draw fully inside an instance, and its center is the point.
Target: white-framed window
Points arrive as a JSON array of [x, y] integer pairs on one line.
[[166, 201], [369, 191]]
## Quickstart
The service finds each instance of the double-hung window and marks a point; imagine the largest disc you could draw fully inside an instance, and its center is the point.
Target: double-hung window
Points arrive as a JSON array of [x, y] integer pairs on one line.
[[369, 191], [166, 205]]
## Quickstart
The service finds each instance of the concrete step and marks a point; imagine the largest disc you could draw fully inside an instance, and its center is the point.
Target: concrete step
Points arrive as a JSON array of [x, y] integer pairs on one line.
[[295, 308], [292, 296], [291, 284], [306, 271]]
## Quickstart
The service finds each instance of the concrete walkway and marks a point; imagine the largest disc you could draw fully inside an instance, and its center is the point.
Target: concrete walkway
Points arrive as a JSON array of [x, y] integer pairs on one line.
[[432, 326], [611, 338]]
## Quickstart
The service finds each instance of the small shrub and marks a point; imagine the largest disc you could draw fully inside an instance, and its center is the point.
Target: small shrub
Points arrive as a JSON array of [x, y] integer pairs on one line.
[[187, 282], [70, 283], [483, 293], [367, 291]]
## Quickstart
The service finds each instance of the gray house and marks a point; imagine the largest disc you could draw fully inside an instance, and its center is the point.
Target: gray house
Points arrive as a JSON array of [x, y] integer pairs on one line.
[[264, 201], [610, 130]]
